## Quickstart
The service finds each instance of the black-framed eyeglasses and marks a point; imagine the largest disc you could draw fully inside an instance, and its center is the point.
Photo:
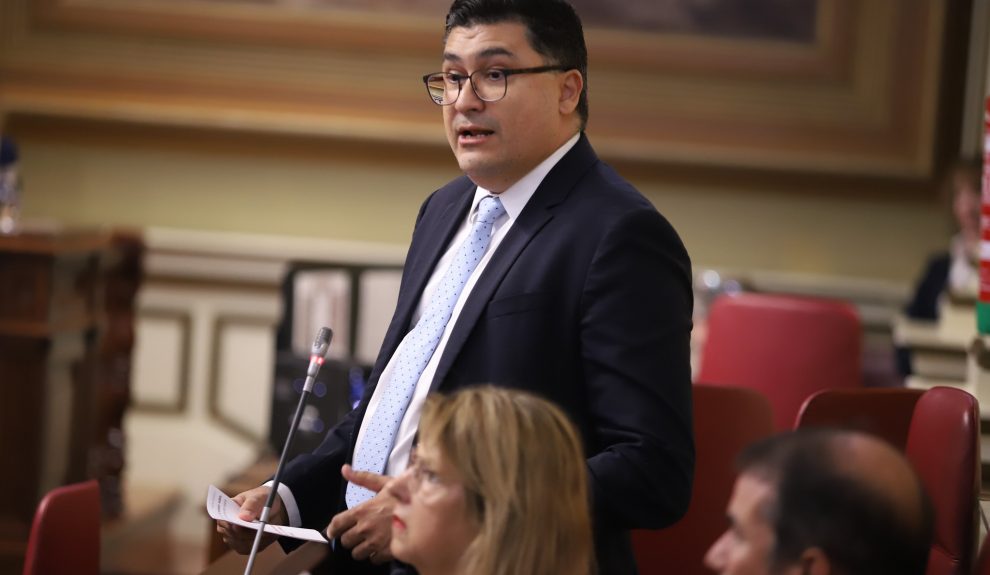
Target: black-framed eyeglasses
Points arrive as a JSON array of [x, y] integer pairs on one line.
[[489, 84]]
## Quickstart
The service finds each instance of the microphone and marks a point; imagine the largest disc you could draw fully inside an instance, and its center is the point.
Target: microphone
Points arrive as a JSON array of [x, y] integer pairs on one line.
[[317, 356]]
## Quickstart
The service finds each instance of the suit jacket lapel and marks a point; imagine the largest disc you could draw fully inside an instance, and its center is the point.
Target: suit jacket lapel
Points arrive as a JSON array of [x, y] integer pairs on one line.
[[553, 190], [420, 263]]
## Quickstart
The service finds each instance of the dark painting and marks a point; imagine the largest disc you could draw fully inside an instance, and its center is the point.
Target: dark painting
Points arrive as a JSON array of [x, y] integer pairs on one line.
[[792, 20]]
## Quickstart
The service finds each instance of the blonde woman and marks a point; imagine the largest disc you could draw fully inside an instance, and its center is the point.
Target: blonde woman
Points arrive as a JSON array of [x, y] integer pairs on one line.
[[498, 486]]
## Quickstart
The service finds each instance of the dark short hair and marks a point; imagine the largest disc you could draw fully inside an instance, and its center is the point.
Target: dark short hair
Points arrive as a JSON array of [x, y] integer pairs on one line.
[[819, 505], [552, 26]]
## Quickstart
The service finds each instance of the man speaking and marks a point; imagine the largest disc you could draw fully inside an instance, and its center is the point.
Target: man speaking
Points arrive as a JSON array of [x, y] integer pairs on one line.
[[539, 269]]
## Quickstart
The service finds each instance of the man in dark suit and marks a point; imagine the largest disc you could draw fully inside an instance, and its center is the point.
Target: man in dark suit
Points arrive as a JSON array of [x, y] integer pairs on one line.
[[582, 294]]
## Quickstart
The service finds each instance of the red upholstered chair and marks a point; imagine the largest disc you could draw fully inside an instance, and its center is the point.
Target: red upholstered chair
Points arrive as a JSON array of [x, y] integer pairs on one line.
[[885, 413], [725, 421], [943, 444], [65, 535], [783, 346], [939, 431]]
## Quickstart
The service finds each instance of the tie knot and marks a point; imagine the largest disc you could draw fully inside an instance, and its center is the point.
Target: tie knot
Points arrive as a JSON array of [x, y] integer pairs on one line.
[[489, 209]]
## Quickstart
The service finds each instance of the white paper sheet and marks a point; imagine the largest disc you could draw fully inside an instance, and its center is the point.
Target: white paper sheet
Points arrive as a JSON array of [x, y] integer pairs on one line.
[[221, 507]]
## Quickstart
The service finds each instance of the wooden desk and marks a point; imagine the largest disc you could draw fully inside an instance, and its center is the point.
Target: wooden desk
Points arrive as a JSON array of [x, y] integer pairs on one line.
[[272, 561], [938, 352], [52, 320]]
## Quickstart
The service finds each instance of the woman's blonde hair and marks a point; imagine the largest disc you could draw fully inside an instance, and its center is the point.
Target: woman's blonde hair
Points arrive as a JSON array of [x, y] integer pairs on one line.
[[525, 480]]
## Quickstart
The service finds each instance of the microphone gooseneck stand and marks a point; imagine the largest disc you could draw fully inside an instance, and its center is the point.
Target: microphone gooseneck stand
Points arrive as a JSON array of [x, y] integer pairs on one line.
[[316, 358]]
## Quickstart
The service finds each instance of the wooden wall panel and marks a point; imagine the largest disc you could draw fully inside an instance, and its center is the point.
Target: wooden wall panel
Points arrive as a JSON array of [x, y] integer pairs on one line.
[[860, 98]]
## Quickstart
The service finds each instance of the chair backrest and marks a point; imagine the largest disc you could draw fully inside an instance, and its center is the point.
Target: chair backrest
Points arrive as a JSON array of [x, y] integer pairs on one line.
[[787, 347], [943, 444], [885, 413], [725, 421], [65, 534]]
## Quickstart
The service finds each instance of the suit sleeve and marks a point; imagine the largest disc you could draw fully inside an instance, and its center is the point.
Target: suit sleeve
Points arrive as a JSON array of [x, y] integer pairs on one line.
[[315, 479], [635, 337]]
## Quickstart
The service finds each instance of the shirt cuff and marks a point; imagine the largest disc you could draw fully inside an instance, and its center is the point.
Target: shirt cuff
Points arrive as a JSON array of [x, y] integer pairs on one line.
[[288, 503]]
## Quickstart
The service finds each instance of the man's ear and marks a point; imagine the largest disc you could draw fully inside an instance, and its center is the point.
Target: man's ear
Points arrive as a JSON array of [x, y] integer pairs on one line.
[[571, 85], [813, 561]]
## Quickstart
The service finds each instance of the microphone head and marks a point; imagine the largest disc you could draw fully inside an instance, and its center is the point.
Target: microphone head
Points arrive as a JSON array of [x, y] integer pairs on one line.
[[322, 343]]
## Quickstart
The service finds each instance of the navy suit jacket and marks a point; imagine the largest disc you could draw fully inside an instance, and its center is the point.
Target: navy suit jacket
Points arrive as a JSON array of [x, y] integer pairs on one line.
[[587, 302]]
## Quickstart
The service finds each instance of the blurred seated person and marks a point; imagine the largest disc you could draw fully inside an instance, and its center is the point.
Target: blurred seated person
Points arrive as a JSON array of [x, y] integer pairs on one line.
[[954, 271], [497, 486], [821, 502]]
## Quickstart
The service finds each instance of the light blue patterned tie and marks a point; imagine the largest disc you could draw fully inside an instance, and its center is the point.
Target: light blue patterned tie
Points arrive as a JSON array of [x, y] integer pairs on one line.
[[417, 348]]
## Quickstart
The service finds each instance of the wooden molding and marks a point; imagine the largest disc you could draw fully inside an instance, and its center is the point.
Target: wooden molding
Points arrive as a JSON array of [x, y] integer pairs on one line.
[[214, 407], [184, 321], [860, 99]]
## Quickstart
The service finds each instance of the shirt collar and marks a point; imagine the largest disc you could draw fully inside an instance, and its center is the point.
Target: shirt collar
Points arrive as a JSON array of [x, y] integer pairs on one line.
[[516, 196]]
